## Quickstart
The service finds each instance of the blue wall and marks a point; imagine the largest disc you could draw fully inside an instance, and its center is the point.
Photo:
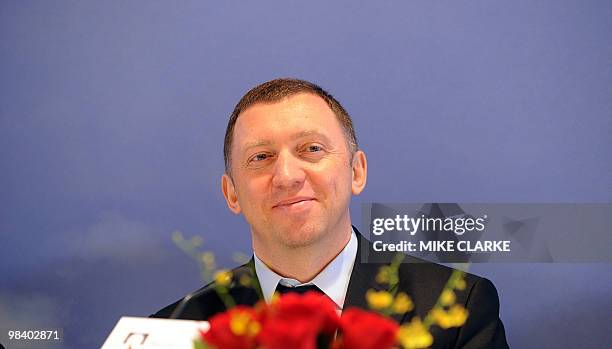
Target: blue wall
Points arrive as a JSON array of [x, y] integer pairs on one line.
[[112, 117]]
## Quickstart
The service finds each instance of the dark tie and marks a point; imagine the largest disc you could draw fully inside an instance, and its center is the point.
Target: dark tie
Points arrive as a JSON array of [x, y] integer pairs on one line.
[[282, 289]]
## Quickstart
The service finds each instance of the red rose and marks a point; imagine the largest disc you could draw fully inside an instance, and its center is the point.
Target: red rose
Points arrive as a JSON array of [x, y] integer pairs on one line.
[[236, 328], [297, 321], [361, 329]]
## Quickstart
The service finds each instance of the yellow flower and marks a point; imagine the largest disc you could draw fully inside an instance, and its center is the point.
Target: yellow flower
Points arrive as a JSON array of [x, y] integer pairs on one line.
[[177, 237], [414, 335], [245, 280], [459, 314], [440, 318], [223, 277], [447, 297], [209, 260], [384, 274], [379, 299], [402, 304], [454, 317], [460, 285], [241, 324]]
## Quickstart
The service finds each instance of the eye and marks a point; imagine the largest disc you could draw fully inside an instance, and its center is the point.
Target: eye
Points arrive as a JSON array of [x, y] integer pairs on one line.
[[313, 152], [259, 157], [313, 148]]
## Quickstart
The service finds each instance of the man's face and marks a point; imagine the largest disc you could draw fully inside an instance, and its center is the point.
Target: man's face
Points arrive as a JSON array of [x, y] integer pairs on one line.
[[292, 171]]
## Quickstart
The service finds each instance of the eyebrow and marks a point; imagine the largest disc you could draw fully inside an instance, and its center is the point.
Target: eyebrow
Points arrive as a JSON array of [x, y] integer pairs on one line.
[[256, 143], [308, 133], [297, 135]]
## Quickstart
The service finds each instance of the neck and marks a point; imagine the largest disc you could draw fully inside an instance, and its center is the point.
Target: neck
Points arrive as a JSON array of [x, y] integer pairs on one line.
[[303, 263]]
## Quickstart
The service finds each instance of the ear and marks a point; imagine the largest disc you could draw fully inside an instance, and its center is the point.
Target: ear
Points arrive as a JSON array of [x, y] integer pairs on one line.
[[360, 172], [229, 192]]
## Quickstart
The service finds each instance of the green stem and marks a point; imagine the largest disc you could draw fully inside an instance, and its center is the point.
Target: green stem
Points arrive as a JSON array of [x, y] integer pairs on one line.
[[225, 297], [450, 285]]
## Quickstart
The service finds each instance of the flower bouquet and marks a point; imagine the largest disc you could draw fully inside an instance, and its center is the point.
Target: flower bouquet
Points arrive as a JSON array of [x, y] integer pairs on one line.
[[311, 321]]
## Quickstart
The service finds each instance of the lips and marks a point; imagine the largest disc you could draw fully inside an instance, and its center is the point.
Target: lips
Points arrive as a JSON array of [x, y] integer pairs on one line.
[[291, 201]]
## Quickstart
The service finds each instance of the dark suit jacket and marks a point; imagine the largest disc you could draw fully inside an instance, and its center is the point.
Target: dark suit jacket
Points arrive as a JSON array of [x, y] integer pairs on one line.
[[422, 281]]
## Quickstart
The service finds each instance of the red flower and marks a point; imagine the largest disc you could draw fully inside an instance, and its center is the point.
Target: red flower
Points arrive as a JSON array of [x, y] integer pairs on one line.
[[367, 330], [297, 321], [233, 329]]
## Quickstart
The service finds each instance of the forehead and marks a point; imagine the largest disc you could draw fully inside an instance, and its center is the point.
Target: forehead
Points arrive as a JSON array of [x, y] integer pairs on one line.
[[299, 114]]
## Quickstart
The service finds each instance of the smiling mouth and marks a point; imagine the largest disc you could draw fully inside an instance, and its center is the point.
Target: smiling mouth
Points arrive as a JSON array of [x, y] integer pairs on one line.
[[290, 202]]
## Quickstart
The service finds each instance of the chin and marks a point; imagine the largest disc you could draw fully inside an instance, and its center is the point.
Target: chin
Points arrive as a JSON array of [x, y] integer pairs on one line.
[[300, 236]]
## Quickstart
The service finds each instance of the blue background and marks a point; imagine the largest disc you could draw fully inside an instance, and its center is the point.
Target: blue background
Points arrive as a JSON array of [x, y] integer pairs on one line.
[[113, 115]]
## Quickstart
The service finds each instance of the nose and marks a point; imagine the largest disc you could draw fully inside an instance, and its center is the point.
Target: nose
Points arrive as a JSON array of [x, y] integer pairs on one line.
[[288, 172]]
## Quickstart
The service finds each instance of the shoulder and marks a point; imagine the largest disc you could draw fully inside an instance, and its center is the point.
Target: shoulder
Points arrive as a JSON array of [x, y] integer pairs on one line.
[[422, 278], [205, 302], [192, 311], [426, 280]]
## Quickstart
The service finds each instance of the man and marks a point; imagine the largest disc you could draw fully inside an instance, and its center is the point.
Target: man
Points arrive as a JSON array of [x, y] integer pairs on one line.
[[292, 165]]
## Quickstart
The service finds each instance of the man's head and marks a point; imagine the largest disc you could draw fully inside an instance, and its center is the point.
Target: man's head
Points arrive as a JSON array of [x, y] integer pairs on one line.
[[292, 164], [275, 91]]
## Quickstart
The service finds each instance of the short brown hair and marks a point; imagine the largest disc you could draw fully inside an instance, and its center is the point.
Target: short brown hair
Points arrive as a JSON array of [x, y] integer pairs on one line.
[[277, 90]]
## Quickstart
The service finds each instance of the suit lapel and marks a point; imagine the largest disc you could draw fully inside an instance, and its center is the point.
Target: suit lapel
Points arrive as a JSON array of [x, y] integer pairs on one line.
[[363, 278], [247, 295]]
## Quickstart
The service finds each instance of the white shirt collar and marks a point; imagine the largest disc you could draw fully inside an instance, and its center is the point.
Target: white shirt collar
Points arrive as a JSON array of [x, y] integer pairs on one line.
[[333, 280]]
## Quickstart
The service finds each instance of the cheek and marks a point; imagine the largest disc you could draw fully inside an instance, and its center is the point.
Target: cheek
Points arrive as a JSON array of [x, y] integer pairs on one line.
[[332, 183], [253, 200], [252, 193]]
